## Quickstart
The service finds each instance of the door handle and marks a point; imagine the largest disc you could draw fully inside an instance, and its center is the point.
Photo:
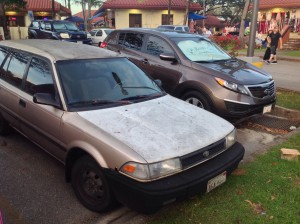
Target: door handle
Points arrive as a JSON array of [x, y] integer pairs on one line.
[[145, 61], [22, 103]]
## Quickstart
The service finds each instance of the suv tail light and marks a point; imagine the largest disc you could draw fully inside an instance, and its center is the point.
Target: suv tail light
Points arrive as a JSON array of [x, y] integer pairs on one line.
[[103, 44]]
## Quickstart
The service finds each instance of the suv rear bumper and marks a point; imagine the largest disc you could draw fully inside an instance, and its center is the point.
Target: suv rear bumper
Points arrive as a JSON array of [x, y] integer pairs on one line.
[[150, 196]]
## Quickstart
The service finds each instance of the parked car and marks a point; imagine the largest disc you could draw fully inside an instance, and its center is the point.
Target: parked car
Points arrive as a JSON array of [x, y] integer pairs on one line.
[[57, 30], [117, 133], [98, 35], [175, 27], [194, 69]]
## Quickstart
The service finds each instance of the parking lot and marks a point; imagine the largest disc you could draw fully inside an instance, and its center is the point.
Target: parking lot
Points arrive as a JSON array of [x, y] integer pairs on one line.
[[33, 189]]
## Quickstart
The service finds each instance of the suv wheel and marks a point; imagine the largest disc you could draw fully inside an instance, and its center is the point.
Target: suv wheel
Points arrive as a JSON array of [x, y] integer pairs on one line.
[[4, 126], [196, 99], [91, 186]]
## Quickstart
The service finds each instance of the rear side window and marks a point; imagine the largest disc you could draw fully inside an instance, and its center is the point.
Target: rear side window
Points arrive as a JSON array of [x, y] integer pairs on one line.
[[133, 41], [112, 38], [157, 46], [39, 77], [14, 68]]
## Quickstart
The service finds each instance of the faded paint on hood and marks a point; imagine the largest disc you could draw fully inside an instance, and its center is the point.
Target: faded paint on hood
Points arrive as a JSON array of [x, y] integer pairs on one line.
[[162, 128]]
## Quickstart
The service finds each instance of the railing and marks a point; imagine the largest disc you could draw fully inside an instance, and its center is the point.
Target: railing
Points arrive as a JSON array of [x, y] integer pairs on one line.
[[285, 33]]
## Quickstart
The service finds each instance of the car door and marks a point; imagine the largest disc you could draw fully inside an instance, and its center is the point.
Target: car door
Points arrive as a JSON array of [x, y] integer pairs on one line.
[[11, 76], [41, 123], [46, 30], [98, 37], [169, 72], [131, 43]]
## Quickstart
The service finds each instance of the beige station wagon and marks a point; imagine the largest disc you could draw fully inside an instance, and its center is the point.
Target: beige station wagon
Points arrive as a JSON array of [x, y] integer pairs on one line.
[[120, 137]]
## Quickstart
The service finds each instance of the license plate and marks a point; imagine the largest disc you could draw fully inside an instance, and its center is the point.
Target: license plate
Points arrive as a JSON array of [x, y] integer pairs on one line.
[[267, 109], [79, 42], [216, 181]]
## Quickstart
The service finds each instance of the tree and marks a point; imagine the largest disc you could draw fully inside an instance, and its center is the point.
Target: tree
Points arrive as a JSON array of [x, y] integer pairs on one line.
[[9, 5], [90, 4], [242, 25]]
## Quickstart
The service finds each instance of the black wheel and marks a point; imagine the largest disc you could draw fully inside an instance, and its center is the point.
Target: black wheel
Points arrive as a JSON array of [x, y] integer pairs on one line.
[[197, 99], [91, 186], [99, 44], [4, 126]]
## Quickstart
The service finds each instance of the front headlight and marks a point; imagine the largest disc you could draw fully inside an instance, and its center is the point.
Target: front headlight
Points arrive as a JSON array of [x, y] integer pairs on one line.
[[232, 86], [146, 172], [65, 35], [230, 138]]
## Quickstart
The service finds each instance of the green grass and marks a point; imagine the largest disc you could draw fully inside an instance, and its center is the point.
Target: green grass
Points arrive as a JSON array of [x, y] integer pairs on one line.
[[292, 53], [288, 99], [269, 182]]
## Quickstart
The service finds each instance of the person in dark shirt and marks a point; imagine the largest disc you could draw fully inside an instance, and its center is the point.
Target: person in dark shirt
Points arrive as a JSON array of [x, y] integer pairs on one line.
[[276, 41], [267, 42]]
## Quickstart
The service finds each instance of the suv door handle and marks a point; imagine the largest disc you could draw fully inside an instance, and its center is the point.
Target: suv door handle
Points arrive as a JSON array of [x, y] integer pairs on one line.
[[22, 103], [145, 61]]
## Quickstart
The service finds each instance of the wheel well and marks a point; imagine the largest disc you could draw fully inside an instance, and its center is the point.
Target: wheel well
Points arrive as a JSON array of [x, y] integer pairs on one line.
[[73, 155]]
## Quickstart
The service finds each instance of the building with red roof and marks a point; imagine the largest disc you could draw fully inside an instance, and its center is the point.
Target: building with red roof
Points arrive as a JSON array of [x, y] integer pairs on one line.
[[146, 13]]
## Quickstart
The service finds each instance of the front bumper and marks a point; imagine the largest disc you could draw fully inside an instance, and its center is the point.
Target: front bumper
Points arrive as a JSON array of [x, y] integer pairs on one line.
[[150, 196]]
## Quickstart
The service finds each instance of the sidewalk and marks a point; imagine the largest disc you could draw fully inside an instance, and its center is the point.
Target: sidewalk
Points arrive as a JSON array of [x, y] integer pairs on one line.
[[280, 55]]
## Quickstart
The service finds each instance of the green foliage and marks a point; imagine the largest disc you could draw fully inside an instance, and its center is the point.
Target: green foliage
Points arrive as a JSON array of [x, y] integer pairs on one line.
[[14, 4], [288, 99], [263, 191], [230, 43]]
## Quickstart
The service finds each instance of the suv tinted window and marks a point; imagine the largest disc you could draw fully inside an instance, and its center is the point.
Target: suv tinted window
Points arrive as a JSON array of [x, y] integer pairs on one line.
[[113, 38], [14, 68], [39, 75], [133, 41], [156, 46]]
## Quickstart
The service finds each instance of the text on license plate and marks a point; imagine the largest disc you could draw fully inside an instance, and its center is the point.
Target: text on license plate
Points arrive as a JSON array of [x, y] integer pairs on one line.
[[216, 181], [267, 109]]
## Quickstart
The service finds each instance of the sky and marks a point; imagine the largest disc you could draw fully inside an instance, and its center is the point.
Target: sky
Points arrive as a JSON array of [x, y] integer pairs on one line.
[[75, 8]]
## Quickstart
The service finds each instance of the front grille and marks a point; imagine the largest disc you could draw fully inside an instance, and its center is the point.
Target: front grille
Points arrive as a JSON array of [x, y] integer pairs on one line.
[[78, 36], [264, 90], [202, 154]]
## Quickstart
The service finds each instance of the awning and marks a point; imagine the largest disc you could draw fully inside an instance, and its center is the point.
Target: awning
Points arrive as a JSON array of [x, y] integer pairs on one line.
[[97, 15], [75, 19], [195, 16]]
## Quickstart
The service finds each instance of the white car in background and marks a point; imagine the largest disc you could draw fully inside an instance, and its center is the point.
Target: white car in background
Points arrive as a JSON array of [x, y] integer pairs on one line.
[[98, 35]]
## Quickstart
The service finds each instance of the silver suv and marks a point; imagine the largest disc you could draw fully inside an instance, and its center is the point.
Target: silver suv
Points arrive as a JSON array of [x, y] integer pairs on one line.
[[118, 134]]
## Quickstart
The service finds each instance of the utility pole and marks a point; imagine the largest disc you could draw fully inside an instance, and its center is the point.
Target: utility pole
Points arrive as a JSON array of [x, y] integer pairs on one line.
[[250, 51]]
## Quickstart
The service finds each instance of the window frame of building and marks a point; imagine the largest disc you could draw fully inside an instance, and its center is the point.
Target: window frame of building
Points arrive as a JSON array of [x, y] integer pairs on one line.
[[135, 20], [164, 19]]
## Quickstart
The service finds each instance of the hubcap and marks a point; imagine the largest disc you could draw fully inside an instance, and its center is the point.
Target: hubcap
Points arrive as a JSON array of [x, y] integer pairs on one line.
[[92, 185], [195, 102]]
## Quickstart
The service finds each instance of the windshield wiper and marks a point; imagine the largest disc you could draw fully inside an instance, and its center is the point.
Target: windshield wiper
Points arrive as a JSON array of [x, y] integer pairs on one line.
[[138, 97], [203, 61], [98, 102]]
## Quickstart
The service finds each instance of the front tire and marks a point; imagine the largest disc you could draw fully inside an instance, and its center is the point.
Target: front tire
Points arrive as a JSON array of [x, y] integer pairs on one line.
[[91, 186], [197, 99]]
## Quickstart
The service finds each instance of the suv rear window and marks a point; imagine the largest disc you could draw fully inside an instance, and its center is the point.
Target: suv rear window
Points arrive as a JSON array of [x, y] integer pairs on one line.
[[132, 40]]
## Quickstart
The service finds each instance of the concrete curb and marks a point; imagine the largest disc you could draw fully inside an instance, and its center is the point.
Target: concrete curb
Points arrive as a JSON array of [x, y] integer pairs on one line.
[[286, 113]]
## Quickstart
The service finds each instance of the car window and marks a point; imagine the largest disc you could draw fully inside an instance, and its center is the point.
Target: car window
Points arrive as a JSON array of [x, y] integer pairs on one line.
[[108, 31], [200, 49], [133, 41], [93, 32], [3, 54], [14, 68], [186, 29], [39, 77], [64, 26], [42, 25], [121, 38], [47, 26], [99, 33], [112, 38], [157, 46], [35, 24], [103, 79], [178, 28]]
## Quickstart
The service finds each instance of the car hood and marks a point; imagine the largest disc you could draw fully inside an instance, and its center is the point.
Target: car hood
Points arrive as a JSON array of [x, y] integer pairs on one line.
[[161, 128], [237, 71]]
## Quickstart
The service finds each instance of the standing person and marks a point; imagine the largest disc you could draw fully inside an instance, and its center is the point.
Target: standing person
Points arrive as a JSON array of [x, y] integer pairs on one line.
[[276, 40], [268, 47]]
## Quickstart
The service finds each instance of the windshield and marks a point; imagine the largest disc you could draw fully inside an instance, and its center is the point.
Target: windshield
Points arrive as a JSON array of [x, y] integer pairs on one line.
[[105, 82], [65, 26], [198, 49]]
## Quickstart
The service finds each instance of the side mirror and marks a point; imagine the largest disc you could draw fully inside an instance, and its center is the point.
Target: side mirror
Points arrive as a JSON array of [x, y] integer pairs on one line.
[[46, 99], [158, 82], [168, 57]]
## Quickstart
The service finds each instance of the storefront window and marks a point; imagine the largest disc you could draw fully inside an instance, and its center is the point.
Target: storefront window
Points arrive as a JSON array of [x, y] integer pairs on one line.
[[14, 21]]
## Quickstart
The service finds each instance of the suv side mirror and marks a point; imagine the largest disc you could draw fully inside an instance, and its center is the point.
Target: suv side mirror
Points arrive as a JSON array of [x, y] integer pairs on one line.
[[168, 57]]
